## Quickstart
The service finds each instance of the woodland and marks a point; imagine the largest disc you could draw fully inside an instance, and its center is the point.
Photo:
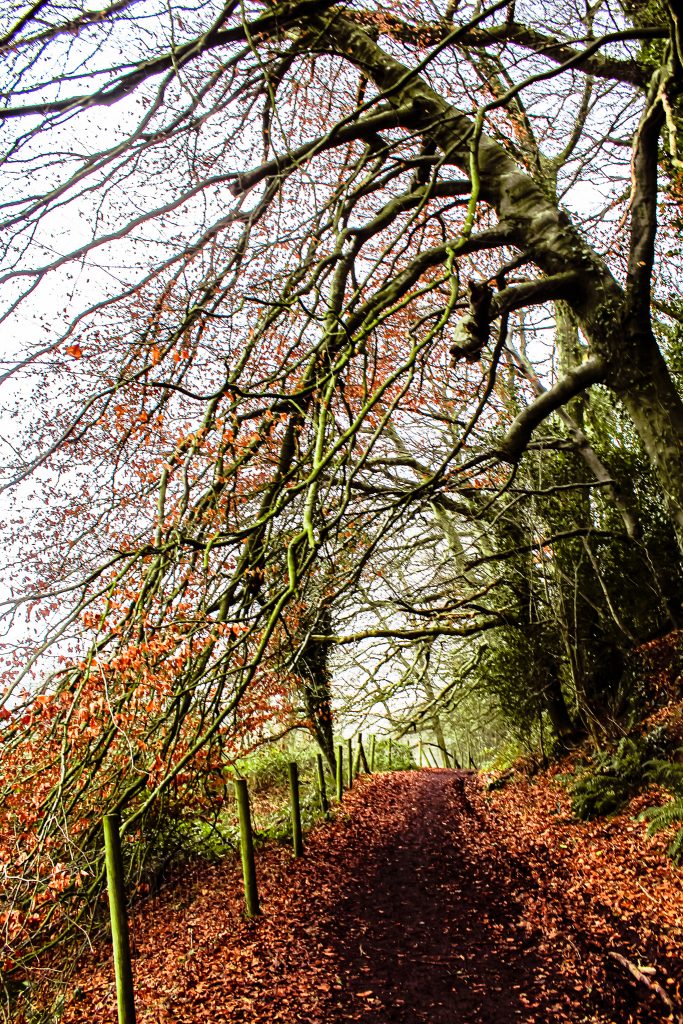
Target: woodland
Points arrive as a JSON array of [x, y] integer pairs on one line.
[[342, 391]]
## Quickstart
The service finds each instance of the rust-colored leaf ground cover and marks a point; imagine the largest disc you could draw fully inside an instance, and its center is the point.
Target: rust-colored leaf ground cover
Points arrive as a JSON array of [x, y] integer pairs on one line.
[[425, 900]]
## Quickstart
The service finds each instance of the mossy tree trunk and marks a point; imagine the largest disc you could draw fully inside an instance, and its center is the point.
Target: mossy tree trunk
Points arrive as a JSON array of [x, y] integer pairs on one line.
[[314, 673]]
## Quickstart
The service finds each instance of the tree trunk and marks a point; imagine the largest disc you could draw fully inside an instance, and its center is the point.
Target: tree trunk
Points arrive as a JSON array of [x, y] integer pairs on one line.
[[558, 713], [655, 407], [316, 687], [436, 720]]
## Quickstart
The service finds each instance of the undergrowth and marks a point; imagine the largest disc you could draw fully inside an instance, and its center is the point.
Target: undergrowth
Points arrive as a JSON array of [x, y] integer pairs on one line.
[[614, 777]]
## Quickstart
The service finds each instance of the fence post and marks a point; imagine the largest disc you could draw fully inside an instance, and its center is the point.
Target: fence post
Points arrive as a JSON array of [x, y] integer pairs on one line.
[[247, 849], [390, 753], [297, 834], [119, 922], [419, 753], [373, 743], [340, 773], [349, 754], [322, 789]]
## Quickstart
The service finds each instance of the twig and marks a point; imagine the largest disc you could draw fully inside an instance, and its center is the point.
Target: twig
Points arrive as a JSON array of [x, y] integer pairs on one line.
[[640, 975]]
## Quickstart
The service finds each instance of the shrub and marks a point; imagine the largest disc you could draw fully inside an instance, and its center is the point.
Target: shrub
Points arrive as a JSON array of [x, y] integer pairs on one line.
[[615, 778], [618, 776], [401, 755]]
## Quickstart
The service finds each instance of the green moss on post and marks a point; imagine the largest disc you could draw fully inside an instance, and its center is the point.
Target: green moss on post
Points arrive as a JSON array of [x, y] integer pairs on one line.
[[373, 744], [297, 832], [390, 753], [340, 773], [247, 849], [349, 755], [119, 922], [322, 789]]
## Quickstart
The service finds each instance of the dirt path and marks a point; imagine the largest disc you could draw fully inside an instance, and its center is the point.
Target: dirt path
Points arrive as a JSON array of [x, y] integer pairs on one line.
[[407, 908], [429, 926]]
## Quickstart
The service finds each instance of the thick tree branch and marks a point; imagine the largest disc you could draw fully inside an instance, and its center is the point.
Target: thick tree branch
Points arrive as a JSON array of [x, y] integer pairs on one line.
[[341, 134], [519, 434], [561, 52], [535, 293], [538, 226], [586, 451], [588, 60], [472, 332]]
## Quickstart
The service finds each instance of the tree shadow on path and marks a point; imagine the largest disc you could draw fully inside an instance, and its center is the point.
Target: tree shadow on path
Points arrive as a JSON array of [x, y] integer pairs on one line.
[[429, 929]]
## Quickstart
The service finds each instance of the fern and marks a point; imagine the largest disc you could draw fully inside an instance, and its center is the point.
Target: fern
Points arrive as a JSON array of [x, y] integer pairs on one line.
[[597, 795], [613, 781], [666, 773], [661, 818], [617, 776], [669, 774], [675, 847]]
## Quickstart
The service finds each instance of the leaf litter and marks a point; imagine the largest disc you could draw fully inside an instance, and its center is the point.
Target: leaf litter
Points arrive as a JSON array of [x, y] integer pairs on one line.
[[425, 899]]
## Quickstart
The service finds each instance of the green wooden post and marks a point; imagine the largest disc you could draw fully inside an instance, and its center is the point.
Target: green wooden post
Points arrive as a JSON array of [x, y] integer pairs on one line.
[[322, 789], [119, 922], [419, 753], [340, 773], [349, 754], [297, 832], [373, 744], [390, 753], [247, 849], [362, 758]]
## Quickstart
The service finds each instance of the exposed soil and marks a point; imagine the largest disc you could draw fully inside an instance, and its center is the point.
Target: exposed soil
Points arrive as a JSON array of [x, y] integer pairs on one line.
[[408, 907]]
